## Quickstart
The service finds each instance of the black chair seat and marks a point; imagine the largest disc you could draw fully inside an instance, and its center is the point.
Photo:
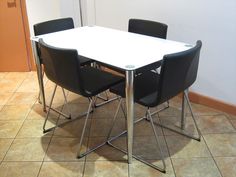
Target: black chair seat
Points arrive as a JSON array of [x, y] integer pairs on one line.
[[96, 81], [145, 88]]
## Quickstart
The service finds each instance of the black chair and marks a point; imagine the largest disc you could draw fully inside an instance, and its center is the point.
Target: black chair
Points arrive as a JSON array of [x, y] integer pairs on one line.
[[178, 73], [63, 67], [148, 28], [50, 27]]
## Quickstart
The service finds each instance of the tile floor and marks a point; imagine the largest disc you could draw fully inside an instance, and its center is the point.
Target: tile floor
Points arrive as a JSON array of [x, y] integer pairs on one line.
[[26, 152]]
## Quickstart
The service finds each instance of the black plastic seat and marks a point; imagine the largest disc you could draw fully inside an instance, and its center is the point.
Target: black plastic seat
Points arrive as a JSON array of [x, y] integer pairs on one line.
[[178, 73], [63, 67]]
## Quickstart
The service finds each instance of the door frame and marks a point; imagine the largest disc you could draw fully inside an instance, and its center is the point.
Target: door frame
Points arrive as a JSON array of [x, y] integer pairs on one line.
[[26, 29]]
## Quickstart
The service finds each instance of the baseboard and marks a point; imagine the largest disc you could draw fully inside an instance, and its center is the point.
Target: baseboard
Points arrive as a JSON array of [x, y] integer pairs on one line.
[[213, 103]]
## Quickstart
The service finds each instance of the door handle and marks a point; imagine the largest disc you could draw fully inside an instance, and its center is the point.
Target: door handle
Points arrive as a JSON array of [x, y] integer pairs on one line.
[[11, 4]]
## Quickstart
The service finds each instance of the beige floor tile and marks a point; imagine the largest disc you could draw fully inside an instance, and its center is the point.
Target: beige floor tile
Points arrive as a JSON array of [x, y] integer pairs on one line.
[[223, 145], [75, 109], [202, 110], [16, 75], [34, 128], [107, 111], [101, 127], [214, 124], [59, 97], [14, 112], [32, 74], [19, 169], [146, 147], [30, 149], [4, 146], [233, 122], [72, 129], [227, 166], [9, 85], [105, 152], [139, 169], [195, 167], [4, 97], [176, 102], [61, 169], [175, 123], [170, 112], [231, 116], [22, 98], [37, 112], [9, 129], [144, 128], [106, 169], [30, 84], [183, 147], [64, 149], [1, 106], [2, 74]]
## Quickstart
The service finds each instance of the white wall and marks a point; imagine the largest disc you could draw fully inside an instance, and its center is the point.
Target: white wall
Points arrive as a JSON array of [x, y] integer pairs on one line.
[[71, 8], [43, 10], [212, 21]]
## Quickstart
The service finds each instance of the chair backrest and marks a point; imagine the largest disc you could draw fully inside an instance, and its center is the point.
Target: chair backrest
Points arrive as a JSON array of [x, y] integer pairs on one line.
[[146, 27], [50, 27], [178, 72], [62, 66], [53, 26]]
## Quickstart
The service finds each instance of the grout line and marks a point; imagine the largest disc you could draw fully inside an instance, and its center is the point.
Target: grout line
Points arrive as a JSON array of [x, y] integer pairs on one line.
[[211, 155], [16, 134], [88, 139], [164, 137]]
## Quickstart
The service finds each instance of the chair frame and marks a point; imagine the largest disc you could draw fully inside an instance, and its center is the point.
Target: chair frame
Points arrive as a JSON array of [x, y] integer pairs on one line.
[[149, 118]]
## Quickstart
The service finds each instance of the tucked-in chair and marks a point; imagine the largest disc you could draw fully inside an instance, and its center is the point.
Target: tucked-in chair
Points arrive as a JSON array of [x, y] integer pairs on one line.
[[63, 67], [50, 27], [148, 28], [178, 73]]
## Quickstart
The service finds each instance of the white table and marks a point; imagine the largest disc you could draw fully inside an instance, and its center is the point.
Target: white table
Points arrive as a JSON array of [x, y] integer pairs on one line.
[[128, 51]]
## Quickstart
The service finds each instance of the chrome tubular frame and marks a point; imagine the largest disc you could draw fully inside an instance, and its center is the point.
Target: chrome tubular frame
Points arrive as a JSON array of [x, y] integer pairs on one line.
[[162, 169], [182, 126], [59, 112]]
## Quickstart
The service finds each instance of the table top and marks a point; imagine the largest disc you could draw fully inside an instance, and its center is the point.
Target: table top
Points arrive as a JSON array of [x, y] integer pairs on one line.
[[121, 49]]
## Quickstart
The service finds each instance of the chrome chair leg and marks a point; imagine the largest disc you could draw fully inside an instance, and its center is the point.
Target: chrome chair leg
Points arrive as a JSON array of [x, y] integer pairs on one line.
[[39, 95], [59, 112], [105, 100], [109, 141], [159, 146], [79, 155], [157, 111], [183, 118], [114, 119], [192, 115], [198, 138], [50, 105], [66, 103]]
